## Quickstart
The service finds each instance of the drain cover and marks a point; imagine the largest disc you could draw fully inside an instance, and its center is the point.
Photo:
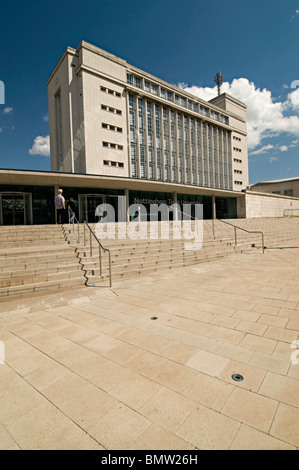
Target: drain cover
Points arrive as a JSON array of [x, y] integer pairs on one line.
[[237, 377], [154, 318]]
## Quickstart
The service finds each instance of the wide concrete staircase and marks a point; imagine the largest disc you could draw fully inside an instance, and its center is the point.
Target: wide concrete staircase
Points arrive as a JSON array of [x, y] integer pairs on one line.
[[36, 258], [45, 258]]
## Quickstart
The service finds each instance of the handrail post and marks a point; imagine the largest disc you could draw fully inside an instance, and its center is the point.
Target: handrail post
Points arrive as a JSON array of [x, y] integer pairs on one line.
[[100, 259], [263, 243], [78, 233], [235, 228], [84, 234], [110, 283], [90, 241]]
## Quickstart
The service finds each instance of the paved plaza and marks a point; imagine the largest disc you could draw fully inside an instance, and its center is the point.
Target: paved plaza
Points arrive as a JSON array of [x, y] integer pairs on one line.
[[148, 364]]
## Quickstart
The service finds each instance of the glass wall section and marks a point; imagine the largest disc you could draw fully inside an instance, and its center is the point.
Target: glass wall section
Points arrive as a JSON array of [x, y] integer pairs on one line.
[[198, 142], [209, 131], [146, 198], [187, 152], [180, 146], [42, 198], [173, 146], [133, 149], [226, 207], [166, 145], [215, 166], [158, 142], [193, 162], [150, 149], [141, 138], [193, 199], [204, 154]]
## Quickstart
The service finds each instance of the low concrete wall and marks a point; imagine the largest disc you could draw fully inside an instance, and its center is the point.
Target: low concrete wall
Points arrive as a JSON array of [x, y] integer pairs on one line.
[[268, 205]]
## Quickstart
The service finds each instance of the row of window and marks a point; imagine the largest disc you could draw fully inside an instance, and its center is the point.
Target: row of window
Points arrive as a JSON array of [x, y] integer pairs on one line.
[[111, 110], [237, 138], [113, 163], [113, 146], [237, 160], [236, 149], [238, 182], [166, 145], [110, 92], [111, 127], [174, 98], [238, 171]]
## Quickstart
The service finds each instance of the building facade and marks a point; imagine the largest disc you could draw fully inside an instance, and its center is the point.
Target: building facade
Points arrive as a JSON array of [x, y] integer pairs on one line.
[[118, 133], [285, 187], [110, 118]]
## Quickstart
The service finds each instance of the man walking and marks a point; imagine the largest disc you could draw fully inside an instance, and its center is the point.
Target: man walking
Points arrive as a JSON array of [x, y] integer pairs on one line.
[[60, 206]]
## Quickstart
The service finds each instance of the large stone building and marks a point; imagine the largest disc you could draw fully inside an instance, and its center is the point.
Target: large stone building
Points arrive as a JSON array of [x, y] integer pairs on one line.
[[117, 131], [108, 117]]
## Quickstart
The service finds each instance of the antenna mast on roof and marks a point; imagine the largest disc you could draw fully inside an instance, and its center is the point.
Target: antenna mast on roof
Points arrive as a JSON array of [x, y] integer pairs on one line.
[[218, 80]]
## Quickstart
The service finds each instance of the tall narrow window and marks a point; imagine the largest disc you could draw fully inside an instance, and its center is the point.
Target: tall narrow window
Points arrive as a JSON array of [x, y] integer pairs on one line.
[[132, 136]]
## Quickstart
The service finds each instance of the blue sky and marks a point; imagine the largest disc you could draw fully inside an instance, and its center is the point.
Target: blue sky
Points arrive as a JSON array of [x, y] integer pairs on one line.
[[254, 43]]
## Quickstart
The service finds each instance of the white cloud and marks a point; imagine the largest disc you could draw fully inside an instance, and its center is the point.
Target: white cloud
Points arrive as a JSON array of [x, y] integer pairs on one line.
[[265, 116], [296, 13], [273, 159], [41, 146], [46, 118], [263, 149], [7, 110], [283, 148]]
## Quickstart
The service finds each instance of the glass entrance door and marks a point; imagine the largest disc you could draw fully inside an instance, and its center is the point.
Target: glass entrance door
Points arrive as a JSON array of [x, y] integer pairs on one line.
[[15, 209]]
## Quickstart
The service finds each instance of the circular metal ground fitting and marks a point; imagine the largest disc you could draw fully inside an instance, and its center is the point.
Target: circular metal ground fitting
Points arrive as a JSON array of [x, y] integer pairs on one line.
[[154, 318], [237, 377]]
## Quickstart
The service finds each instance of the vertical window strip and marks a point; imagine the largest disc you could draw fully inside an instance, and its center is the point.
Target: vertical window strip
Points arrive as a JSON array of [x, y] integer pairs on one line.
[[141, 138], [180, 145], [132, 121], [215, 157], [204, 154], [199, 165], [166, 145], [187, 154], [193, 163], [158, 142]]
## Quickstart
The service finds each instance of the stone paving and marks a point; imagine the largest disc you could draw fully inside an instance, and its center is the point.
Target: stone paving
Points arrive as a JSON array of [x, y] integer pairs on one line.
[[92, 369]]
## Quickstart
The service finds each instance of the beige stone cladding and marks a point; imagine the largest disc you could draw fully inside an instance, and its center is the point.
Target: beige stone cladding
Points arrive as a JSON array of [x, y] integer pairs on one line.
[[66, 121], [105, 126], [237, 120], [268, 205]]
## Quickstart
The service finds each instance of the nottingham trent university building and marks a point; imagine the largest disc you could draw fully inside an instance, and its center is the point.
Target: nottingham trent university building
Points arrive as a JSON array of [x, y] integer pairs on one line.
[[116, 130]]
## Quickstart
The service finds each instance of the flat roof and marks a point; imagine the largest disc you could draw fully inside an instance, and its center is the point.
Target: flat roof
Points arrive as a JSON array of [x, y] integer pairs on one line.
[[51, 178], [277, 181]]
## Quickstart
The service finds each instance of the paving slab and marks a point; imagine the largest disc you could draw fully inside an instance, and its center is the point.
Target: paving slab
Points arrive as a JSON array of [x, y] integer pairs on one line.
[[148, 363]]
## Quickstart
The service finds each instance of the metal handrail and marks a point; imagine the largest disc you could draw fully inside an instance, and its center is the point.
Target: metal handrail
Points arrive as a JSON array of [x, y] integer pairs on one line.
[[91, 233], [244, 230]]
